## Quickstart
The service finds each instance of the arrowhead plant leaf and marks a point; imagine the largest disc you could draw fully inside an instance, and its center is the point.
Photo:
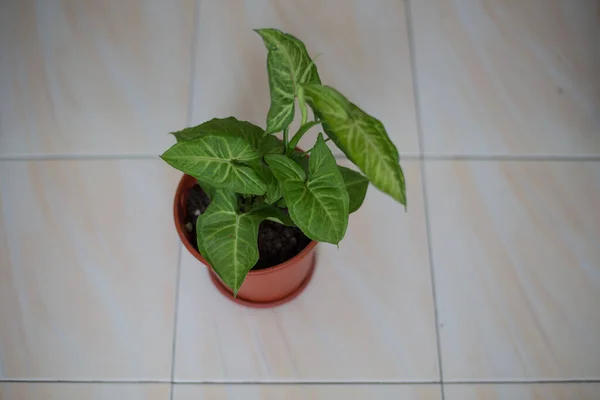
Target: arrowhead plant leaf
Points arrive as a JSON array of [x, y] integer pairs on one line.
[[228, 240], [255, 135], [220, 160], [356, 185], [318, 203], [189, 133], [287, 63], [361, 137]]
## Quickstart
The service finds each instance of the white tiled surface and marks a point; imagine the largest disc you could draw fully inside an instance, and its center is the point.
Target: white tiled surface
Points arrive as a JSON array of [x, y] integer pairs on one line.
[[547, 391], [302, 392], [93, 77], [516, 77], [88, 391], [88, 265], [350, 319], [517, 268], [89, 255], [367, 39]]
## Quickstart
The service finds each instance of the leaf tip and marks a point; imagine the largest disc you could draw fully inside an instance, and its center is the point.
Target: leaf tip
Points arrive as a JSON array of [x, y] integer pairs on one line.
[[265, 33], [270, 130]]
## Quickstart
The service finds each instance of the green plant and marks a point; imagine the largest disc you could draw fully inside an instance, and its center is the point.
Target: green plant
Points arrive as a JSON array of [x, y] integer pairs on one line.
[[250, 175]]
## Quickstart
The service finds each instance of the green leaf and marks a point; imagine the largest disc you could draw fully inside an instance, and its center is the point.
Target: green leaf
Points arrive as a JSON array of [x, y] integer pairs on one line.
[[287, 62], [271, 145], [318, 205], [188, 133], [220, 160], [255, 135], [302, 159], [361, 137], [273, 191], [356, 185], [229, 240]]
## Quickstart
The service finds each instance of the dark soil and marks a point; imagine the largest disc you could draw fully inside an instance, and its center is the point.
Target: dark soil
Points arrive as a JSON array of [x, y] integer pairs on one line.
[[277, 243]]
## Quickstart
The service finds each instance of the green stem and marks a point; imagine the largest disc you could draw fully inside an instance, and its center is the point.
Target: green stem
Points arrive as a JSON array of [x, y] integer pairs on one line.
[[285, 139], [302, 104], [301, 131]]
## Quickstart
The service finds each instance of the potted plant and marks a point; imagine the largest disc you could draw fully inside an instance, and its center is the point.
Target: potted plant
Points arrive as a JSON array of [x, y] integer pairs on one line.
[[252, 206]]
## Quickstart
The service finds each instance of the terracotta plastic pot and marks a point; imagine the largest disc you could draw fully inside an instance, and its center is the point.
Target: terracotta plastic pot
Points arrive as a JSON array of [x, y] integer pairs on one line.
[[262, 288]]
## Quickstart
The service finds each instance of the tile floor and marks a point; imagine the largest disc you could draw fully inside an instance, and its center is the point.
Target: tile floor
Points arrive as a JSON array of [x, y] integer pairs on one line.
[[485, 289]]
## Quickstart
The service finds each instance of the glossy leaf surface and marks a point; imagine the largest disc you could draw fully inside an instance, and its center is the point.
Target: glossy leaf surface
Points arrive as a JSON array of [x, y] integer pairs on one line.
[[228, 240], [287, 62], [220, 160], [361, 137], [317, 203], [356, 185], [255, 135]]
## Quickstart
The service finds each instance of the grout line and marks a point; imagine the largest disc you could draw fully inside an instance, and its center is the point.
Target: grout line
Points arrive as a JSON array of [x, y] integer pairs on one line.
[[510, 157], [418, 121], [193, 50], [522, 382], [61, 157], [300, 382], [405, 156], [86, 381], [315, 383], [176, 313], [190, 111]]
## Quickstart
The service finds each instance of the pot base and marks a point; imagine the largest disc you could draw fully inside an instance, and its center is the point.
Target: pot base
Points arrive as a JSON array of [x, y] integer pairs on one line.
[[264, 304]]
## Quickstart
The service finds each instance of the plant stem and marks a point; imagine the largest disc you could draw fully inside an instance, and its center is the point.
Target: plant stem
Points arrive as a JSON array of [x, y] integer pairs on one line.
[[285, 139], [301, 131], [302, 104]]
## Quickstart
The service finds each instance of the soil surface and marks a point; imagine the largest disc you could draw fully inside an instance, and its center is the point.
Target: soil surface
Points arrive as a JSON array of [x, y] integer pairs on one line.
[[277, 243]]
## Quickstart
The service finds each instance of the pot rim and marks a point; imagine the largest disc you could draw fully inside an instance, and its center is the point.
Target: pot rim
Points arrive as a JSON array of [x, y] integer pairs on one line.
[[196, 253]]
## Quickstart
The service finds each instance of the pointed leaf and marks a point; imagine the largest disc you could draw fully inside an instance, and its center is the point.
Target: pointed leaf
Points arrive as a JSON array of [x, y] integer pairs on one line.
[[255, 135], [287, 62], [318, 205], [356, 185], [228, 240], [219, 160], [361, 137], [189, 133]]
